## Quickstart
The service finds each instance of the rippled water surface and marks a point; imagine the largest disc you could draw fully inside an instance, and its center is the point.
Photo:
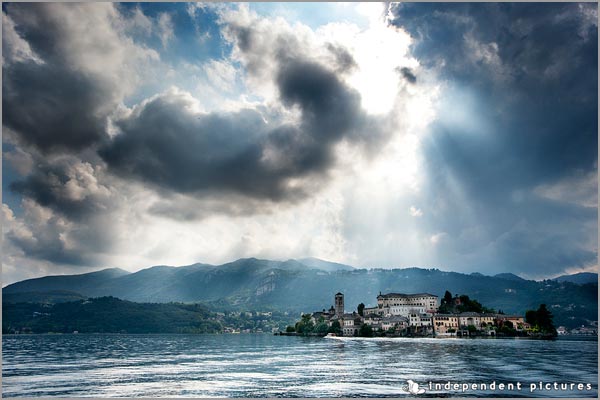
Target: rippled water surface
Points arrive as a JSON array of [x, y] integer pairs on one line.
[[281, 366]]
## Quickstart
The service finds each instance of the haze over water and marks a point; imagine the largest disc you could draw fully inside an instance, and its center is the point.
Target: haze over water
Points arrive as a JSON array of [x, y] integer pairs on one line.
[[273, 366]]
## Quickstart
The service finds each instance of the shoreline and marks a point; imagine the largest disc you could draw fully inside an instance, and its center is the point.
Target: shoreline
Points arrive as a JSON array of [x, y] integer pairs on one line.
[[560, 337]]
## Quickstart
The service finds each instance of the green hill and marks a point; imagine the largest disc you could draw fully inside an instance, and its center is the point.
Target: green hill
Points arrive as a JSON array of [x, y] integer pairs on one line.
[[108, 315]]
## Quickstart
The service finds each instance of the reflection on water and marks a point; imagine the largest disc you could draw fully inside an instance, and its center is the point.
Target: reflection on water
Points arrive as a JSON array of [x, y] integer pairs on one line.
[[281, 366]]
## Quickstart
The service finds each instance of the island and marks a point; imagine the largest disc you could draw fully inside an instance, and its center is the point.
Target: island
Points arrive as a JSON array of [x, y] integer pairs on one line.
[[422, 315]]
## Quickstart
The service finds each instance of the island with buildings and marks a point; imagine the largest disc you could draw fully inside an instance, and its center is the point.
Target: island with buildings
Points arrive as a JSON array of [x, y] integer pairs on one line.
[[422, 315]]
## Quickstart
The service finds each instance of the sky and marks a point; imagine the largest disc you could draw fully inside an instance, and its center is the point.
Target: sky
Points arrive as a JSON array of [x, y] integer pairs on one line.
[[458, 136]]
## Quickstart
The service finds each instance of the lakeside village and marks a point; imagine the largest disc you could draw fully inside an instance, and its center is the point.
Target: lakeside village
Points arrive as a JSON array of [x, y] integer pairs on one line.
[[422, 315]]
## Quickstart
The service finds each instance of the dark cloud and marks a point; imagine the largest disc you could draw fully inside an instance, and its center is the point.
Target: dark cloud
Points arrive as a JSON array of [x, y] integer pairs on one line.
[[534, 97], [40, 233], [47, 101], [69, 212], [47, 245], [60, 94], [330, 110], [62, 78], [165, 144], [52, 108], [408, 75], [70, 188], [519, 111], [59, 97]]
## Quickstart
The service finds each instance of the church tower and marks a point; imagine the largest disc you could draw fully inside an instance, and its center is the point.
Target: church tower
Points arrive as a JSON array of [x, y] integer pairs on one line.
[[339, 304]]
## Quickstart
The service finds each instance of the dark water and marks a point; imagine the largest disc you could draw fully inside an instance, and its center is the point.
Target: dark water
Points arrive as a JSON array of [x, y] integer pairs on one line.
[[274, 366]]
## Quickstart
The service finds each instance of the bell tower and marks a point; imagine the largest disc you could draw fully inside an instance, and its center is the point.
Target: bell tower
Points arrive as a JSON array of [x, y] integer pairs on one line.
[[339, 304]]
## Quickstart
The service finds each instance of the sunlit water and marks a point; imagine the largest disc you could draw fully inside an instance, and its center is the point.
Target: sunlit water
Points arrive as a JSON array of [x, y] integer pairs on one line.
[[281, 366]]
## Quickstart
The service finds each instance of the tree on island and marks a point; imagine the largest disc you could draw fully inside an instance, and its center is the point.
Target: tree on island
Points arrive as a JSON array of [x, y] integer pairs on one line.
[[468, 305], [321, 326], [335, 328], [305, 325], [447, 303], [460, 304], [507, 328], [447, 300], [361, 309], [365, 331], [541, 321]]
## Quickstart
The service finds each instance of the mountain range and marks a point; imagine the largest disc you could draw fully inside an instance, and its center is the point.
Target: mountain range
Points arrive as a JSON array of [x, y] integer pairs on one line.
[[580, 278], [309, 284]]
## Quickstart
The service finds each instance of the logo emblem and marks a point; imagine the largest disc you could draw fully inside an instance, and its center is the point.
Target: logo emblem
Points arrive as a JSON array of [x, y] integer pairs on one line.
[[413, 387]]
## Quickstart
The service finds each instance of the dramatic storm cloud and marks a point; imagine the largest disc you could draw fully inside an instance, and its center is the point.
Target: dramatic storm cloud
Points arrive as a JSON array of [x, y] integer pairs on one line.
[[457, 136], [166, 141], [519, 113]]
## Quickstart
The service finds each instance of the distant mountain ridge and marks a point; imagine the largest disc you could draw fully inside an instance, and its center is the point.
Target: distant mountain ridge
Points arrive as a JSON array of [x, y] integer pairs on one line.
[[294, 286], [580, 278], [80, 283], [324, 265], [509, 276]]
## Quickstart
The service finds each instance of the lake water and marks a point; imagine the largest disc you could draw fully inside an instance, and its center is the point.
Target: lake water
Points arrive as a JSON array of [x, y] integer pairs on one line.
[[281, 366]]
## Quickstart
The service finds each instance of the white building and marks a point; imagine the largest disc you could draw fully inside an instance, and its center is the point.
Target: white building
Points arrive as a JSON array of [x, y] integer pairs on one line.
[[406, 304], [419, 319]]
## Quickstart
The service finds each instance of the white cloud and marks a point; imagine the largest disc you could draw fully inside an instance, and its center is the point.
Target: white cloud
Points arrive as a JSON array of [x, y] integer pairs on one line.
[[83, 183], [165, 28], [139, 22], [118, 60], [415, 212], [375, 12], [11, 224], [379, 51], [221, 74]]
